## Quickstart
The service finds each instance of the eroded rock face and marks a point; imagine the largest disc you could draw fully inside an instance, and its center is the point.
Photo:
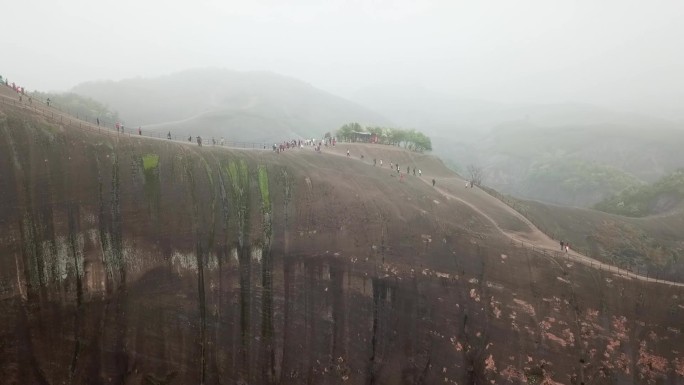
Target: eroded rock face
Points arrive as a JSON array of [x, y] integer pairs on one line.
[[128, 261]]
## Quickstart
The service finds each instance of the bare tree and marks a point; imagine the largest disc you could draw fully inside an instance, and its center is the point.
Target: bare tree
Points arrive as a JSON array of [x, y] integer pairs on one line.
[[475, 174]]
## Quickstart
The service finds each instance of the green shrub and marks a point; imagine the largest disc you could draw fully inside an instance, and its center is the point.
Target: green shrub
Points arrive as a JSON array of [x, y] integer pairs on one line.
[[150, 161]]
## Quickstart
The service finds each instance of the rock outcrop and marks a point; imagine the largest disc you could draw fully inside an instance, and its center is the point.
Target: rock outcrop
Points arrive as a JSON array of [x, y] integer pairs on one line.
[[127, 260]]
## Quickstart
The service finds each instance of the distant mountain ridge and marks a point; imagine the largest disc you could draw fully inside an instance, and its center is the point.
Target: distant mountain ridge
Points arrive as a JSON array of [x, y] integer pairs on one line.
[[439, 113], [565, 153], [245, 106], [576, 165]]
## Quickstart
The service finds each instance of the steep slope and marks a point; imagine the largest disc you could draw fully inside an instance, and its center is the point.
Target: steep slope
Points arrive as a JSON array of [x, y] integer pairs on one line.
[[130, 260], [650, 245], [244, 106]]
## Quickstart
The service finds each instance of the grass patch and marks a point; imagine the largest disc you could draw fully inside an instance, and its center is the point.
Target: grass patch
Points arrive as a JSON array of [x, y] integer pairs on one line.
[[150, 161], [239, 177], [263, 186]]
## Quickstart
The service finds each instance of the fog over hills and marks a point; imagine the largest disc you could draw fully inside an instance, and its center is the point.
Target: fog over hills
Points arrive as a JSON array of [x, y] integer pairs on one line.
[[437, 112], [565, 153], [242, 106], [574, 154]]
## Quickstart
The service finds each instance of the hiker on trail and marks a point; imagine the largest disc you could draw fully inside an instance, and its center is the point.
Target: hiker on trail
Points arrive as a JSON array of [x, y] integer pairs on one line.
[[98, 121], [168, 136], [48, 102], [122, 129], [375, 162], [199, 141], [380, 162], [348, 153], [567, 247], [414, 171], [420, 173], [433, 182], [408, 169], [139, 131], [467, 183], [190, 138], [223, 141], [213, 141], [118, 126], [562, 245]]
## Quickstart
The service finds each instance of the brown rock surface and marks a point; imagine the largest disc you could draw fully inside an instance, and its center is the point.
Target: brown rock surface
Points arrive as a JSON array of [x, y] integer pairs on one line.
[[127, 260]]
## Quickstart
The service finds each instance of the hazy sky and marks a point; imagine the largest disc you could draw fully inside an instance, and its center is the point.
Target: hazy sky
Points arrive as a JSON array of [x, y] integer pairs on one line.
[[625, 54]]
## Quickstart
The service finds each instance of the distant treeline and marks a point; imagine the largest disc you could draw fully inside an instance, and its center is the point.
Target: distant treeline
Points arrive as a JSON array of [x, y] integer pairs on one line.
[[643, 200], [409, 139]]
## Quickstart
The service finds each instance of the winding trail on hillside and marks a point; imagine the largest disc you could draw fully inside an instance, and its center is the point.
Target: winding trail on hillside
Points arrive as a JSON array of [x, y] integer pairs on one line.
[[532, 237], [539, 240], [9, 97]]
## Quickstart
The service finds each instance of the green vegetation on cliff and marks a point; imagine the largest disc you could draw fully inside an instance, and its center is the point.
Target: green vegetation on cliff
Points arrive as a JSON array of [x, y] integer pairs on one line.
[[150, 161], [641, 201], [263, 187], [239, 177]]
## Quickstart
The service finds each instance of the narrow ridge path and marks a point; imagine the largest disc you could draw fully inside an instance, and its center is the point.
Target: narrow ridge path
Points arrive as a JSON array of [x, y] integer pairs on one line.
[[534, 236], [544, 242]]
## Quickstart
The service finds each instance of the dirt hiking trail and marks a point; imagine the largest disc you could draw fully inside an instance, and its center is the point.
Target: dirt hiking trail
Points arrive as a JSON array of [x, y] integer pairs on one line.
[[532, 236], [505, 219]]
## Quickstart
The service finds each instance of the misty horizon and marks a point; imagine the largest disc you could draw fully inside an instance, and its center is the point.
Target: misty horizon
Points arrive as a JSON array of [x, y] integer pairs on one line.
[[619, 55]]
